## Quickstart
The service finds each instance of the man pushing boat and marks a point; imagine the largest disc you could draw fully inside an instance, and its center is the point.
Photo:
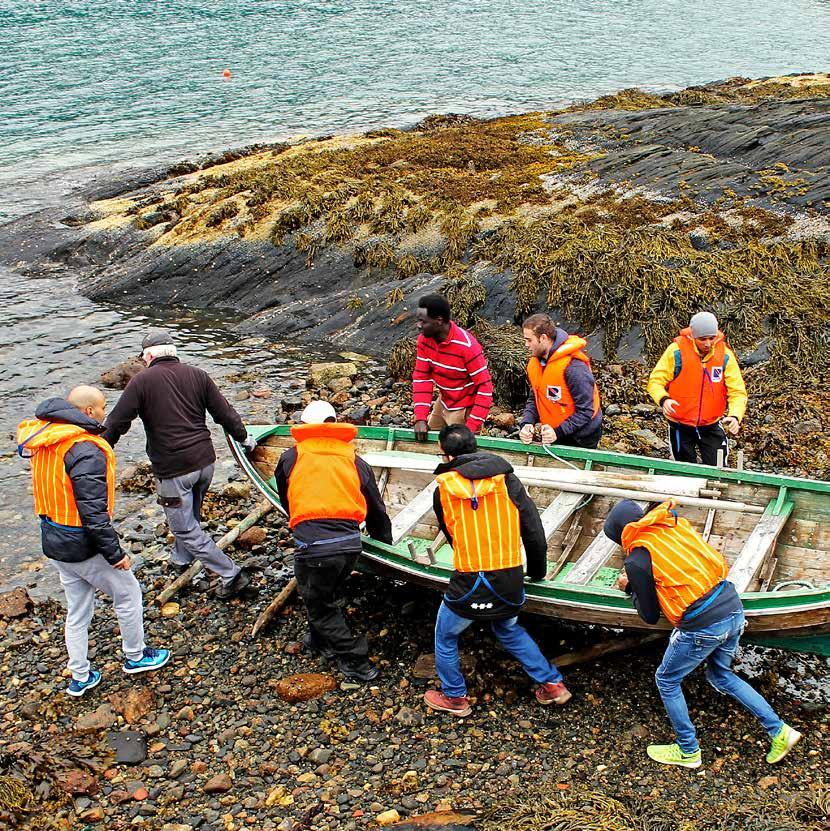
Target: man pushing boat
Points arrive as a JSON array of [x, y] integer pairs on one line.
[[485, 514], [327, 491], [671, 569]]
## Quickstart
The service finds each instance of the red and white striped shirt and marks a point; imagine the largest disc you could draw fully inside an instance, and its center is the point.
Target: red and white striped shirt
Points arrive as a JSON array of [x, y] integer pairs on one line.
[[459, 369]]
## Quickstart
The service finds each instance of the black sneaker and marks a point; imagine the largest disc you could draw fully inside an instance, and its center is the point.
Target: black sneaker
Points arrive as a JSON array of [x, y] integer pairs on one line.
[[235, 588], [363, 674]]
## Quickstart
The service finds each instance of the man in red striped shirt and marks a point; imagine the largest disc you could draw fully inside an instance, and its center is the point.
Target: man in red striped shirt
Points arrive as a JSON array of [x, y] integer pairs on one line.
[[450, 358]]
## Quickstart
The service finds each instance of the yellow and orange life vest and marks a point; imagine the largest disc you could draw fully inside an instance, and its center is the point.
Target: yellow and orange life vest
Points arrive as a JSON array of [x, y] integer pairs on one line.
[[685, 566], [324, 482], [482, 520], [700, 386], [47, 443], [553, 398]]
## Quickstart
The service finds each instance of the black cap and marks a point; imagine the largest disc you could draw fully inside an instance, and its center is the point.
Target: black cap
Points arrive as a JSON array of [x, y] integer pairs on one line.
[[156, 337]]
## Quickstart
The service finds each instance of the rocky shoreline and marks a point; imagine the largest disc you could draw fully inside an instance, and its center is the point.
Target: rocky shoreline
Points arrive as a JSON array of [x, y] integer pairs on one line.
[[618, 215], [213, 745]]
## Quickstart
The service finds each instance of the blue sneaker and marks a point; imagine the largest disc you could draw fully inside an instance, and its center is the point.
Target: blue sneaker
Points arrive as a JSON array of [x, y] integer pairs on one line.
[[152, 659], [78, 688]]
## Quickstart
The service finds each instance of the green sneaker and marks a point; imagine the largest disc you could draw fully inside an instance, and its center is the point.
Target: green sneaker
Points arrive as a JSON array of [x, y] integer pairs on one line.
[[671, 754], [782, 743]]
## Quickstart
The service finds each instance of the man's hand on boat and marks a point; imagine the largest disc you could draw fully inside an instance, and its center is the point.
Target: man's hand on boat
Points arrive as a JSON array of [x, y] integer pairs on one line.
[[249, 445], [526, 434], [622, 581], [421, 430], [731, 425], [548, 434]]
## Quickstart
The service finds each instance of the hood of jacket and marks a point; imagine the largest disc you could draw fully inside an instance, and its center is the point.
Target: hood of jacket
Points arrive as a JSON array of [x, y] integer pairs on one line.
[[621, 515], [476, 467], [55, 421]]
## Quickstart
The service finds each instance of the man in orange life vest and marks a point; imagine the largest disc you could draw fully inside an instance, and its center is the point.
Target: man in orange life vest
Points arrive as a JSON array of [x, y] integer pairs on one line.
[[485, 513], [327, 491], [73, 474], [563, 392], [696, 381], [670, 569]]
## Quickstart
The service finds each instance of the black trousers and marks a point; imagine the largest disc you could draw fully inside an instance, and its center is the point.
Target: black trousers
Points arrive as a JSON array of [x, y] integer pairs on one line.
[[319, 583], [685, 441], [589, 440]]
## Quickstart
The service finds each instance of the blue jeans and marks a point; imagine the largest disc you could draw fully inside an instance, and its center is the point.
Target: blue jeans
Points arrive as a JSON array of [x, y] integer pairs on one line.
[[715, 644], [514, 638]]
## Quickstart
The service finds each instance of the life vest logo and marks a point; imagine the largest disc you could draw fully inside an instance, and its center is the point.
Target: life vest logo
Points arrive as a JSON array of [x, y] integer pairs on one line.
[[717, 374], [554, 393]]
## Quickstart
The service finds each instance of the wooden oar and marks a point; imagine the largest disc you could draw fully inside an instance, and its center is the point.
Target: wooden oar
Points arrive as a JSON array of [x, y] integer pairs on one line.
[[257, 514], [274, 606], [600, 650]]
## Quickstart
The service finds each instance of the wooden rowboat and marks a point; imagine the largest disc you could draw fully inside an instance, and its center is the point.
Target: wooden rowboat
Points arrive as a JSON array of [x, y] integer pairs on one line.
[[773, 530]]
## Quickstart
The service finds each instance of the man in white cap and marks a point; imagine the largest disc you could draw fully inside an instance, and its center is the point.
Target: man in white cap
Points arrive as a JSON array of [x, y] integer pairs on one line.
[[172, 399], [697, 383], [327, 491]]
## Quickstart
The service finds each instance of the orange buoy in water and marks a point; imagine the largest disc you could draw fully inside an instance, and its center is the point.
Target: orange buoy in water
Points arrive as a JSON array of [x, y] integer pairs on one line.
[[226, 73]]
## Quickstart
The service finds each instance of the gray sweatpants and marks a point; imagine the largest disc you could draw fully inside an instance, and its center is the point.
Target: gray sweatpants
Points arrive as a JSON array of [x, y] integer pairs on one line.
[[79, 581], [182, 498]]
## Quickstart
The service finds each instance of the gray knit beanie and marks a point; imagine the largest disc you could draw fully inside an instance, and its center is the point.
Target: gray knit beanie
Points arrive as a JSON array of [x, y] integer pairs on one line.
[[704, 325]]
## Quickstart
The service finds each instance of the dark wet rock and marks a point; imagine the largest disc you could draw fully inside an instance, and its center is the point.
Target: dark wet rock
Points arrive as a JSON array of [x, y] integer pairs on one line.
[[121, 374], [810, 425], [129, 746]]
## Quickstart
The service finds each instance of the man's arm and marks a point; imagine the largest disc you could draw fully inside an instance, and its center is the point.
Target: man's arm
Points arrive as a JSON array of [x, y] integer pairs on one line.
[[86, 466], [531, 528], [438, 508], [641, 585], [480, 375], [735, 387], [281, 474], [378, 524], [222, 412], [580, 382], [661, 375], [531, 411], [122, 415], [421, 384]]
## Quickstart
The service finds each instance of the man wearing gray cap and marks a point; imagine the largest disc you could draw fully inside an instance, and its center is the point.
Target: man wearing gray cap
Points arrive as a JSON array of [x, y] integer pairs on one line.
[[171, 399], [697, 382]]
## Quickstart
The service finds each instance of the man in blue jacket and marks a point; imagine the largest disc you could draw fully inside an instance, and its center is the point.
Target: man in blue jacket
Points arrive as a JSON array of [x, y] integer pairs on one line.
[[73, 474]]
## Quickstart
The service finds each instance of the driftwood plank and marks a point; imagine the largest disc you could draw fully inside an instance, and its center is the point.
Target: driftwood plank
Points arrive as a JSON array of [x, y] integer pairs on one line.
[[411, 515], [557, 513], [594, 557], [759, 546]]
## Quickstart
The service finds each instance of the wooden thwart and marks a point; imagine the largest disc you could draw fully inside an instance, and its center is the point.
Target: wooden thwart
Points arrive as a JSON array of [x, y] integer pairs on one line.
[[759, 546], [410, 516], [557, 513], [594, 557]]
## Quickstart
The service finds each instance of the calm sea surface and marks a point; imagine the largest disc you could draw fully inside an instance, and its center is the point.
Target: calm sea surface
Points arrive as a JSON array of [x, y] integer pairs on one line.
[[88, 86], [85, 82]]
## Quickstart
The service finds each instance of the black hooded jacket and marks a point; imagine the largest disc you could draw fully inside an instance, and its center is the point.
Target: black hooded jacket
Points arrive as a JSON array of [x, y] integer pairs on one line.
[[507, 595], [86, 466]]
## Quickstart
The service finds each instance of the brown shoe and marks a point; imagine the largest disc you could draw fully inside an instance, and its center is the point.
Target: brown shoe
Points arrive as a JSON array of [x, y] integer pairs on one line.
[[436, 700], [550, 693]]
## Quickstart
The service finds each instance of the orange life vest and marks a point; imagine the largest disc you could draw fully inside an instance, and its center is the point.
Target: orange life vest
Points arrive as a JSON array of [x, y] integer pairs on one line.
[[324, 482], [685, 566], [48, 442], [700, 387], [553, 398], [482, 520]]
